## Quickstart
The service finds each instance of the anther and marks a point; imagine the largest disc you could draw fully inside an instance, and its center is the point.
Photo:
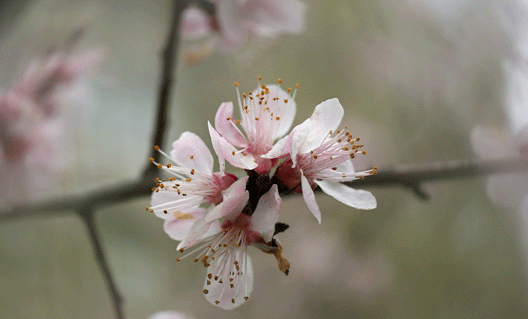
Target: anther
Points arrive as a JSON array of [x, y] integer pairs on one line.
[[165, 212], [192, 171], [157, 148], [279, 81], [236, 83], [297, 85], [151, 159], [168, 165], [363, 152], [205, 291], [233, 300], [159, 166], [259, 78]]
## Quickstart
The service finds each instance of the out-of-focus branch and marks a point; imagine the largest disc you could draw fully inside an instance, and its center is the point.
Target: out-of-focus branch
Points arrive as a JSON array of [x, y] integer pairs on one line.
[[411, 176], [167, 80], [88, 218]]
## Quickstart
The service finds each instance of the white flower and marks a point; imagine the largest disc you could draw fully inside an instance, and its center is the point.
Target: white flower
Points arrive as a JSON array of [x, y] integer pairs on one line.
[[193, 182], [220, 240], [321, 156], [267, 114]]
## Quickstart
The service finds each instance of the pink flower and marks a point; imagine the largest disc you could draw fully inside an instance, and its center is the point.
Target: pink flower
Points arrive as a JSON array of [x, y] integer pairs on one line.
[[34, 125], [220, 240], [236, 20], [321, 156], [267, 114], [193, 182]]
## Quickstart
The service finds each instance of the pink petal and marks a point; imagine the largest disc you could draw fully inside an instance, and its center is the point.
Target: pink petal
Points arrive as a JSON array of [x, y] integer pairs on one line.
[[230, 18], [178, 224], [231, 206], [226, 151], [190, 151], [169, 315], [299, 135], [491, 143], [325, 118], [195, 24], [359, 199], [266, 214], [229, 298], [309, 198], [227, 128]]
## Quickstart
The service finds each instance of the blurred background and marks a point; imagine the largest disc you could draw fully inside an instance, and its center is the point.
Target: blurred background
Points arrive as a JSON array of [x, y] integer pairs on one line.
[[415, 77]]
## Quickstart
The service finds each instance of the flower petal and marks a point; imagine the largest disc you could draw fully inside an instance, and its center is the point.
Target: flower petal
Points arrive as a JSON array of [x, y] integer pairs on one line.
[[325, 118], [226, 151], [199, 229], [309, 198], [170, 201], [178, 224], [266, 214], [225, 126], [359, 199], [281, 148], [190, 151], [235, 198], [285, 110], [230, 18], [223, 292]]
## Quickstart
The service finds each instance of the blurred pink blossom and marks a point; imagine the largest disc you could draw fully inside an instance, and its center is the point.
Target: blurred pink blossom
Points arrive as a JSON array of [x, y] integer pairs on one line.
[[237, 20], [34, 126]]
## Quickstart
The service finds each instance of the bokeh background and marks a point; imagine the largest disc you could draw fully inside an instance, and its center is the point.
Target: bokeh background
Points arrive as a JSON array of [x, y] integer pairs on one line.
[[414, 78]]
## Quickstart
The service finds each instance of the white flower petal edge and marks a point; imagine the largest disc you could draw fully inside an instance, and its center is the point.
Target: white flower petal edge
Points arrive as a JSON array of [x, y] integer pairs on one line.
[[326, 117], [190, 151], [229, 284], [356, 198], [309, 198], [266, 214]]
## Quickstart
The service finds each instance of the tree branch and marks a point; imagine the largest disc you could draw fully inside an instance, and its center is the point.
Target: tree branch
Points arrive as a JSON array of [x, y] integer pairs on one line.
[[403, 175], [88, 217], [167, 80]]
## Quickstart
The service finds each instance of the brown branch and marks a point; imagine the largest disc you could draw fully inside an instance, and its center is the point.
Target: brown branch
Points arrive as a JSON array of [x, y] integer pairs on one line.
[[413, 176], [88, 218], [410, 176], [167, 80]]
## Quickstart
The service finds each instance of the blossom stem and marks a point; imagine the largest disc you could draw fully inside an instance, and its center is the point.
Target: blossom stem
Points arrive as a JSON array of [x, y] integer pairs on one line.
[[169, 64], [88, 218]]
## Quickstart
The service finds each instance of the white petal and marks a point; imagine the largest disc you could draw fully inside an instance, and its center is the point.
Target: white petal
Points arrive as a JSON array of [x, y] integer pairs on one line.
[[299, 136], [309, 198], [281, 148], [169, 315], [178, 224], [229, 297], [190, 151], [170, 201], [356, 198], [325, 118], [286, 111], [200, 229], [266, 214]]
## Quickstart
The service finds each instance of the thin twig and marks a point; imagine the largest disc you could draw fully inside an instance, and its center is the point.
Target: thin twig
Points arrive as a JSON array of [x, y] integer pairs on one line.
[[88, 217], [403, 175], [167, 80]]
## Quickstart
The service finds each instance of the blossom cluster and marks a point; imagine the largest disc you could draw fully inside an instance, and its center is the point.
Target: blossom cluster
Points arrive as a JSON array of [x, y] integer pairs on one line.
[[216, 215], [233, 22], [34, 126]]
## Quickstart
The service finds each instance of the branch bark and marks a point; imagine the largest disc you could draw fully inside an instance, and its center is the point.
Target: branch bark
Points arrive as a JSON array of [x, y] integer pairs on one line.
[[410, 176], [167, 81]]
